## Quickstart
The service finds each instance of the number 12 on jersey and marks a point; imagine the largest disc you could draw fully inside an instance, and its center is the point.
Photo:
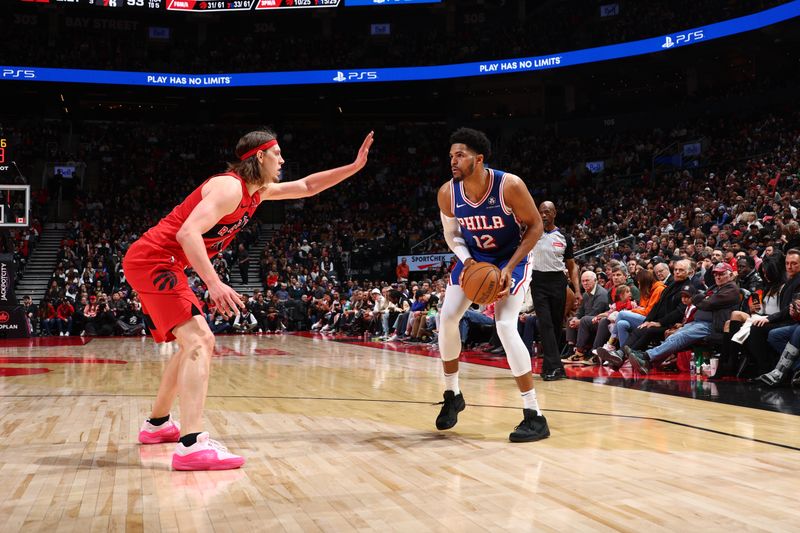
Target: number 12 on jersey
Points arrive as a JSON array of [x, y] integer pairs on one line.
[[484, 242]]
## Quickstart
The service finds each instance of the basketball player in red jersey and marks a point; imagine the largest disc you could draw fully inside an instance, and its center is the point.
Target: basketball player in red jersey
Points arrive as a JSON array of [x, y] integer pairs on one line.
[[196, 230]]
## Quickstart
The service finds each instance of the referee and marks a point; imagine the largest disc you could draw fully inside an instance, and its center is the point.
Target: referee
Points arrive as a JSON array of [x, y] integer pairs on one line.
[[552, 256]]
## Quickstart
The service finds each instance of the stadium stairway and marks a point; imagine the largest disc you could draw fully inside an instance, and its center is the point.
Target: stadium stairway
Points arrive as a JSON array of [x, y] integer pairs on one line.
[[41, 264], [268, 232]]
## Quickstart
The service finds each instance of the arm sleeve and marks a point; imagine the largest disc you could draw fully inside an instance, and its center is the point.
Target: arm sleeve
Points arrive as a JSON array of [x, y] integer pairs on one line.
[[454, 238]]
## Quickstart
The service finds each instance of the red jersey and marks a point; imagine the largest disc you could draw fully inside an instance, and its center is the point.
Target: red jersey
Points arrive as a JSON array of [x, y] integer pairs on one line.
[[163, 235]]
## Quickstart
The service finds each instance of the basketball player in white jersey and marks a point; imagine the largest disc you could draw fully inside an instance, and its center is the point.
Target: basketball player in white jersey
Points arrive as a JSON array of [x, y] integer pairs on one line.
[[488, 216]]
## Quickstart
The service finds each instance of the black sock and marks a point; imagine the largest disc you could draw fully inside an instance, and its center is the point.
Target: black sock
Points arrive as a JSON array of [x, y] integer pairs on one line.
[[158, 421], [190, 439]]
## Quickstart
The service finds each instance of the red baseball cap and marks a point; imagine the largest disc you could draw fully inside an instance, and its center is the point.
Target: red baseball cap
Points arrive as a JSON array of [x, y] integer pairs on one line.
[[723, 267]]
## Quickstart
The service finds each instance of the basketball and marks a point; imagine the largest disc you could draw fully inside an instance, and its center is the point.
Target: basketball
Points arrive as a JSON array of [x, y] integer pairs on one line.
[[481, 283]]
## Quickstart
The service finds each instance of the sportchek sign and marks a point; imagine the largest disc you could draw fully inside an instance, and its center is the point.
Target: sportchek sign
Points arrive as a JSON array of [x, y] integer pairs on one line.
[[421, 263]]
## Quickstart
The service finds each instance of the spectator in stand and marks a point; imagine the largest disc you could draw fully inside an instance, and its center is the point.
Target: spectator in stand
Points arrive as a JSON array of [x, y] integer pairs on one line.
[[219, 323], [53, 291], [130, 320], [64, 317], [259, 309], [276, 316], [791, 238], [47, 317], [666, 312], [762, 326], [244, 322], [419, 313], [662, 272], [581, 328], [243, 261], [622, 302], [785, 341], [104, 321], [750, 280], [402, 271], [402, 306], [714, 309], [89, 314], [30, 309], [650, 291]]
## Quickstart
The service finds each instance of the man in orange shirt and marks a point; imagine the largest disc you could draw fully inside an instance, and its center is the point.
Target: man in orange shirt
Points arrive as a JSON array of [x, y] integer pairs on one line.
[[402, 270]]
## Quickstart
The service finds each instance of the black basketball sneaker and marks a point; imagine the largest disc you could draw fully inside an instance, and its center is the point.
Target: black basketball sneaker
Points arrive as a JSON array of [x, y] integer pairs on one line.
[[451, 406], [533, 427]]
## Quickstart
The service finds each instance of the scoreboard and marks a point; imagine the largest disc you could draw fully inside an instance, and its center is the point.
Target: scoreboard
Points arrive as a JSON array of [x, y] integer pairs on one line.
[[192, 5]]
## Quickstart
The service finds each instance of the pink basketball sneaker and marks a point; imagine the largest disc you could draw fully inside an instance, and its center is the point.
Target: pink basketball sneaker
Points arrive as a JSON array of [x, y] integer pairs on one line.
[[169, 431], [205, 454]]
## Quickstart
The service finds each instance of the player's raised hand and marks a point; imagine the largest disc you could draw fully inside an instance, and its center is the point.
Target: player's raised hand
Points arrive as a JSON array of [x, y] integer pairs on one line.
[[363, 152]]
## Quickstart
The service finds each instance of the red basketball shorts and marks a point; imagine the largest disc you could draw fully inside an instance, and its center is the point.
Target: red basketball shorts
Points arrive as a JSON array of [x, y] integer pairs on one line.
[[167, 300]]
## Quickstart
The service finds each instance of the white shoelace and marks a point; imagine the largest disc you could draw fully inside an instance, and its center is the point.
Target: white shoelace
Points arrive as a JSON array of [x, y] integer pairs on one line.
[[217, 445]]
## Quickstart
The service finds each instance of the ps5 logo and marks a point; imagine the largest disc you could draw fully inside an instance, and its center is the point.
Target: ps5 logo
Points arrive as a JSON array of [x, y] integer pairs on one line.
[[683, 38], [16, 73], [357, 76]]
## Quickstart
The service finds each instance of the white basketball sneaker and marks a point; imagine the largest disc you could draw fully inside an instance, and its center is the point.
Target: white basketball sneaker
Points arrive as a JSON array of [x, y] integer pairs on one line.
[[205, 454]]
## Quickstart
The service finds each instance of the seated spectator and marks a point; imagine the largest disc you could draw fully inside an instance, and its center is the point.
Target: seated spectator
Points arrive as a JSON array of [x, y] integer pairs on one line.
[[276, 316], [666, 312], [623, 302], [474, 317], [662, 273], [130, 320], [244, 322], [402, 306], [104, 321], [47, 317], [650, 290], [785, 341], [749, 279], [419, 314], [713, 310], [219, 323], [582, 327], [64, 317], [751, 352], [619, 278], [259, 309]]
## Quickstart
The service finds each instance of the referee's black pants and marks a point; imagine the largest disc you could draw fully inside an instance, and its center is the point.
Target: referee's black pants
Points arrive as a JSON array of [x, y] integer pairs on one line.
[[549, 298]]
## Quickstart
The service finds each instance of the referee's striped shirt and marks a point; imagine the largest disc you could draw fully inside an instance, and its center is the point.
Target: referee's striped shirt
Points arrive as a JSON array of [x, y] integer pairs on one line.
[[550, 252]]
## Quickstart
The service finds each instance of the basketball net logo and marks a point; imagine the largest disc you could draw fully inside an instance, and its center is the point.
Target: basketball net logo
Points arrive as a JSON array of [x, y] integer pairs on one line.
[[165, 279]]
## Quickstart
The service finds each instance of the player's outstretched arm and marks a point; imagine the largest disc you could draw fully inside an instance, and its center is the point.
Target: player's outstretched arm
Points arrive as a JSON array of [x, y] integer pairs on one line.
[[221, 196], [319, 181]]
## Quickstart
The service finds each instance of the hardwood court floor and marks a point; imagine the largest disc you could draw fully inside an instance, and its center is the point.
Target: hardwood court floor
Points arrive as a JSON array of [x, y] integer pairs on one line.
[[340, 437]]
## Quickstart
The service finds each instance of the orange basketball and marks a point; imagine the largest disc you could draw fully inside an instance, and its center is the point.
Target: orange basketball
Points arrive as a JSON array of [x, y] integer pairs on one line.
[[481, 283]]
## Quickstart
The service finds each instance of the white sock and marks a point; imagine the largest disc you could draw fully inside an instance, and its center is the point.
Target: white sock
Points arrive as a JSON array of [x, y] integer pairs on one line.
[[451, 383], [529, 401]]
